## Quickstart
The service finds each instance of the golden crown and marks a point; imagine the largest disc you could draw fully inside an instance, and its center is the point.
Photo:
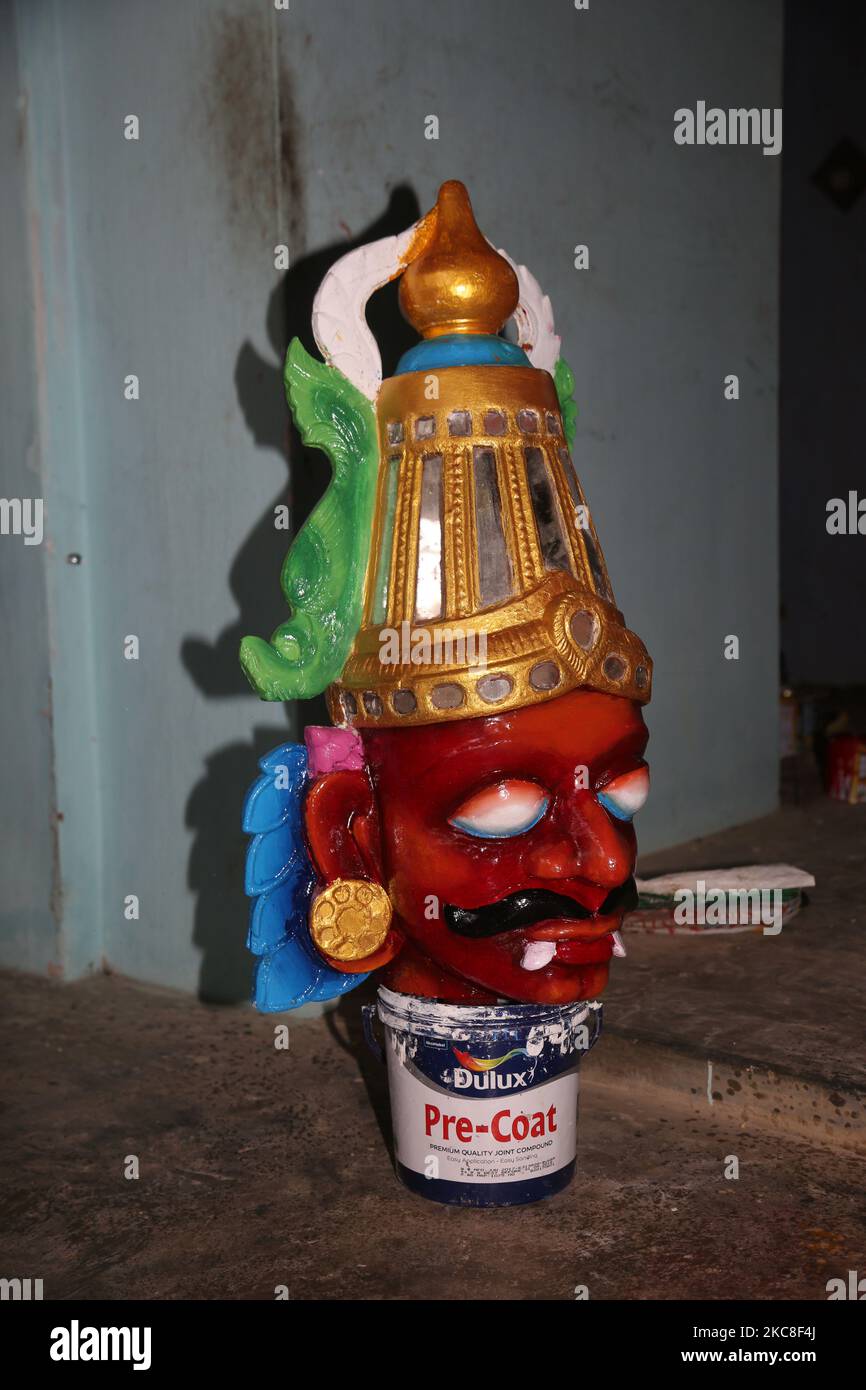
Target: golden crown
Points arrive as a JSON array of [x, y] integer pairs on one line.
[[452, 568], [486, 588]]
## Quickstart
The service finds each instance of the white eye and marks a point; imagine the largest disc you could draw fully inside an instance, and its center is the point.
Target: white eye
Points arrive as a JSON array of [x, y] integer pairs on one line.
[[504, 809], [624, 796]]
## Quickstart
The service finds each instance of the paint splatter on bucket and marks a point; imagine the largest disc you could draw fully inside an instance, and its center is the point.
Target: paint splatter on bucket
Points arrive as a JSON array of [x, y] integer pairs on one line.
[[484, 1098]]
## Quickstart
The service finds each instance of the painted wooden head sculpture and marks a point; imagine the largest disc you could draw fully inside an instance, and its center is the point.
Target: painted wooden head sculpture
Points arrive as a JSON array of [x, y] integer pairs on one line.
[[467, 823]]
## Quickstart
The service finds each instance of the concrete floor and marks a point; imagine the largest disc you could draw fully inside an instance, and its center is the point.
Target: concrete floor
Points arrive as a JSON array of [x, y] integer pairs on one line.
[[261, 1168]]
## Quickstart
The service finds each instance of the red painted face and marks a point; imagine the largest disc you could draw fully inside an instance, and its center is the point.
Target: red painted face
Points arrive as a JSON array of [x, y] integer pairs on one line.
[[501, 842]]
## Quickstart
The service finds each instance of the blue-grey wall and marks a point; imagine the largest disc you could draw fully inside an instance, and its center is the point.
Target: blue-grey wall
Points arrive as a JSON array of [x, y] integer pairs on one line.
[[155, 257], [29, 879]]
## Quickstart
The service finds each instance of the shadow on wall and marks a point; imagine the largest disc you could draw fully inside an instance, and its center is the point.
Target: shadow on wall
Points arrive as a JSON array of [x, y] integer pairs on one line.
[[216, 863]]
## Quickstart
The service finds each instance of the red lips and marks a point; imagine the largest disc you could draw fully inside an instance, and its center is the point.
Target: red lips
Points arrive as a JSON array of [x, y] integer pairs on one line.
[[594, 952], [559, 929]]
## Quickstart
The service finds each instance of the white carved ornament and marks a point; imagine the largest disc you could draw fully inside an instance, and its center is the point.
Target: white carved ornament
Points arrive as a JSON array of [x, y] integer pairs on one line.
[[343, 335]]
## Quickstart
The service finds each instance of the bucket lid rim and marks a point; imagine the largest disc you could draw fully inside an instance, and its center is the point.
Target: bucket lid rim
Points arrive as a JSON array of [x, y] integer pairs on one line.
[[406, 1010]]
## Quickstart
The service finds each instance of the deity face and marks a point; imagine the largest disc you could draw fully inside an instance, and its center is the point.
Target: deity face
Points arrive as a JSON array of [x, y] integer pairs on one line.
[[506, 847]]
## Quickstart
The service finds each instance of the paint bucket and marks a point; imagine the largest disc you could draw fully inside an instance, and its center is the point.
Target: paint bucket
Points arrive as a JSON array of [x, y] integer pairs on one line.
[[483, 1098]]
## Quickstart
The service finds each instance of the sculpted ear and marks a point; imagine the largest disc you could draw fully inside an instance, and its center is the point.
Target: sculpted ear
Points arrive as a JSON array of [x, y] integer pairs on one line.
[[342, 825]]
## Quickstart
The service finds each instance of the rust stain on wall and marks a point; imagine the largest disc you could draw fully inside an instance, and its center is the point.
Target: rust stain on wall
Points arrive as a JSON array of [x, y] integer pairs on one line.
[[252, 126], [290, 160], [56, 896]]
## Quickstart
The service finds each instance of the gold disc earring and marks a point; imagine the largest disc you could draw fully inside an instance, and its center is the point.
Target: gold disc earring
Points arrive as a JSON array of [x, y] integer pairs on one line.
[[350, 919]]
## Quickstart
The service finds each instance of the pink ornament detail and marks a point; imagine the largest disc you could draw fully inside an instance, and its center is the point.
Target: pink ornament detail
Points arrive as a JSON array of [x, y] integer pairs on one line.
[[332, 750]]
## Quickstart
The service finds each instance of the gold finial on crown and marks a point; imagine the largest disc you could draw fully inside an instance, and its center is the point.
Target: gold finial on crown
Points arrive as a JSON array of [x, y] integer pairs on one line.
[[458, 284]]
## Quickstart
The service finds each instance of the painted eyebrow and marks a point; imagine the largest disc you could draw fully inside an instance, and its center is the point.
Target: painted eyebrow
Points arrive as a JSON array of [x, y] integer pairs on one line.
[[633, 744]]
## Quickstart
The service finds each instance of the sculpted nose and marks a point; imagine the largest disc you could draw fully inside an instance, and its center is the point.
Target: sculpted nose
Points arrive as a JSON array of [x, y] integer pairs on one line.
[[557, 858], [584, 843]]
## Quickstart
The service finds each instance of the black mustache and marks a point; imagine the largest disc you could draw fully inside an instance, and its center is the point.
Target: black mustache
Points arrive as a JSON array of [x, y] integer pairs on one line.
[[532, 905]]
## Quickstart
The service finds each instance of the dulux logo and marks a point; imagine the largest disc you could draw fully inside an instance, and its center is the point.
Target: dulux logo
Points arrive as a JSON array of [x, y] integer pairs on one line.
[[488, 1080], [479, 1074]]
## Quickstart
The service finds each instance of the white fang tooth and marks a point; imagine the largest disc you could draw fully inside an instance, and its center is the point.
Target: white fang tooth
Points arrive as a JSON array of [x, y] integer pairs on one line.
[[537, 954], [618, 947]]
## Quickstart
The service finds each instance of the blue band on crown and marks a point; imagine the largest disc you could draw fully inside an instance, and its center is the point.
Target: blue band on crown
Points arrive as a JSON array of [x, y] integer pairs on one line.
[[462, 350]]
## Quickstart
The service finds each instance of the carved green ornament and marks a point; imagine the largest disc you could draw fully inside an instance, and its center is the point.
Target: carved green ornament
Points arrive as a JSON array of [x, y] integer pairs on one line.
[[323, 573], [563, 380]]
